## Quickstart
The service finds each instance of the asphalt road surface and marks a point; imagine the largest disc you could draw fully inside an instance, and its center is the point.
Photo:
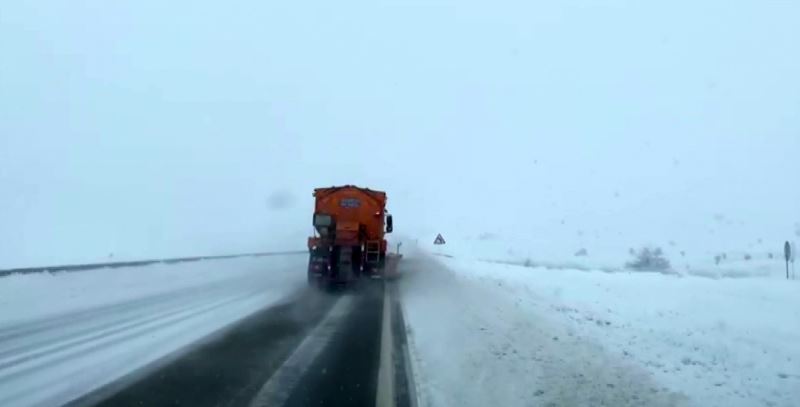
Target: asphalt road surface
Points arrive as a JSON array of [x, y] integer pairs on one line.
[[316, 349]]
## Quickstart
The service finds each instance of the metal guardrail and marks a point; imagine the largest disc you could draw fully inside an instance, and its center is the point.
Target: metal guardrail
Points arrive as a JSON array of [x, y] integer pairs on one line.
[[138, 263]]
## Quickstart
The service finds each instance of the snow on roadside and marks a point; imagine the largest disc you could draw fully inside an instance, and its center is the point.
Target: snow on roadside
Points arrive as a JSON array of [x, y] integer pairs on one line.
[[486, 333]]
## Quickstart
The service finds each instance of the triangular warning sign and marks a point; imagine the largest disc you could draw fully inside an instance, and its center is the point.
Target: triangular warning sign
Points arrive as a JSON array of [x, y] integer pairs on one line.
[[439, 239]]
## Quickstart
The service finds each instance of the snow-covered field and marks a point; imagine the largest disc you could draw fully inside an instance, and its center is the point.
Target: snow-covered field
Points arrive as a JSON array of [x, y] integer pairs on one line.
[[497, 334], [64, 334], [762, 259]]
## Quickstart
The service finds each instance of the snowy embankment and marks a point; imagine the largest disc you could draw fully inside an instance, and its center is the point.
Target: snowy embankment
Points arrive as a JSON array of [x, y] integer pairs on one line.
[[496, 334], [64, 334]]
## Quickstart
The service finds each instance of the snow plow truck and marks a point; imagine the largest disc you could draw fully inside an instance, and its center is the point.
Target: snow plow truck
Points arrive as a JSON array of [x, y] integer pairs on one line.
[[349, 242]]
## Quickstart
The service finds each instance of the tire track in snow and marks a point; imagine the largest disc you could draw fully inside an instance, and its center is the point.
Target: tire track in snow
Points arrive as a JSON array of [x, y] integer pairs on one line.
[[75, 343], [64, 320], [99, 320], [92, 346]]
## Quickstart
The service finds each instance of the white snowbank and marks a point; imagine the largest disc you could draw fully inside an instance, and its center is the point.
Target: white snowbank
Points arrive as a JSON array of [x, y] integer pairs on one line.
[[64, 334], [758, 261], [498, 334]]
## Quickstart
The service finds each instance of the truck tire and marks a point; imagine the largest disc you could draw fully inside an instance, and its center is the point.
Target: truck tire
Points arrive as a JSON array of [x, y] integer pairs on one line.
[[314, 281]]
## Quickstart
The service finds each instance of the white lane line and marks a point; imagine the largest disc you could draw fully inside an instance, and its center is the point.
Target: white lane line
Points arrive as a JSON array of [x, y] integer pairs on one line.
[[276, 391], [385, 393], [412, 380]]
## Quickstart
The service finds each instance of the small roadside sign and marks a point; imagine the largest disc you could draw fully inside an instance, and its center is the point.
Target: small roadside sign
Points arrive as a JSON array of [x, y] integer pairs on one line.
[[439, 239]]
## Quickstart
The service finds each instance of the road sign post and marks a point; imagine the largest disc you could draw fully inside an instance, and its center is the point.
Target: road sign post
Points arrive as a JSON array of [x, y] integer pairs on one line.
[[787, 253]]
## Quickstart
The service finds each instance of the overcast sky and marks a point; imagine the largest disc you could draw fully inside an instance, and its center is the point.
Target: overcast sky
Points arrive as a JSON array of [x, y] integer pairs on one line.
[[158, 128]]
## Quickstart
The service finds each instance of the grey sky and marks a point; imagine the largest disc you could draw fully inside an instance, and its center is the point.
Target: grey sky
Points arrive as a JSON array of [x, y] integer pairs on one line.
[[166, 128]]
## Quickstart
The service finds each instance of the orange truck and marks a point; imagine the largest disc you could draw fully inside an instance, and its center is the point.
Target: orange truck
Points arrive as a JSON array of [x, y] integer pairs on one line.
[[350, 224]]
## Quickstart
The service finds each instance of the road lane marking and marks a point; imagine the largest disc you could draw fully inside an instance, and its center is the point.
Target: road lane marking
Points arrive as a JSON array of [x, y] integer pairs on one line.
[[385, 393], [276, 391]]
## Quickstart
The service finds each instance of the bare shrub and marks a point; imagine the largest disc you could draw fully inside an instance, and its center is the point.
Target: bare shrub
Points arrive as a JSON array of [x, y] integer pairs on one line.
[[649, 259]]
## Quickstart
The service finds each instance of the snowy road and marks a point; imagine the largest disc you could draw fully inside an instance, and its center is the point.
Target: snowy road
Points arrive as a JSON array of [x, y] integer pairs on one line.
[[63, 335], [315, 348], [477, 334]]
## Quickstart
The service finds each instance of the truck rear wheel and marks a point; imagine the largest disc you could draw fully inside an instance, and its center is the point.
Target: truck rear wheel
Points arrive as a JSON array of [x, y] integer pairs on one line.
[[314, 281]]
